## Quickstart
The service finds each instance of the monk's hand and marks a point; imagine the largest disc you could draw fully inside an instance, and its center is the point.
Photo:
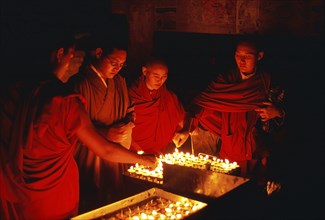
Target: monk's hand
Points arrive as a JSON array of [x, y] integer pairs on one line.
[[269, 111], [150, 160], [119, 132], [180, 138]]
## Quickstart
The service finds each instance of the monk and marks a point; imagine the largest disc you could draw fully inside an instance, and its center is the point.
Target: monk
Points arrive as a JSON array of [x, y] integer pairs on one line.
[[111, 111], [238, 108], [159, 113], [38, 173]]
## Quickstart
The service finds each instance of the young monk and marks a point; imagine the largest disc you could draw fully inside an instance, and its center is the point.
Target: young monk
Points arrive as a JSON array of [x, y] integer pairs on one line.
[[159, 113]]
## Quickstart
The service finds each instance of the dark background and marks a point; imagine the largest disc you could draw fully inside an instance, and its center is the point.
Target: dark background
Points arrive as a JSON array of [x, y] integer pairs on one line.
[[296, 61]]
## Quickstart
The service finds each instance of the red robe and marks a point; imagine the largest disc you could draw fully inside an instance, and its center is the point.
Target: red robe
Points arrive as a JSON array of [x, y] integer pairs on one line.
[[39, 176], [228, 111], [106, 106], [158, 116]]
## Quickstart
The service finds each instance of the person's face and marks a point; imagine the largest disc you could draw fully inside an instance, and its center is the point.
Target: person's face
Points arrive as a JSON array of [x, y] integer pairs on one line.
[[111, 64], [155, 75], [75, 63], [66, 63], [246, 58]]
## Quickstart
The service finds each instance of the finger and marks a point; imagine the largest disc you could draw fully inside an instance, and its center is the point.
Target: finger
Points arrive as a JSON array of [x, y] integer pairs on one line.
[[175, 141], [267, 103], [131, 124], [176, 136], [181, 142]]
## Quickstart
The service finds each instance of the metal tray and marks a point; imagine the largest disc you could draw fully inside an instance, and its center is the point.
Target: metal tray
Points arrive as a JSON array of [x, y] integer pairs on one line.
[[100, 213], [201, 182]]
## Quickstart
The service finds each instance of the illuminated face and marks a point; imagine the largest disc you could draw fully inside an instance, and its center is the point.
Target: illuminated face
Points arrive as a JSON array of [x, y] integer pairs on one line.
[[246, 58], [112, 63], [155, 75]]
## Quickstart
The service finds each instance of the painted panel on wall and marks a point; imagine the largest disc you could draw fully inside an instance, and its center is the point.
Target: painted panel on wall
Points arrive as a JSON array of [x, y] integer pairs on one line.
[[299, 17]]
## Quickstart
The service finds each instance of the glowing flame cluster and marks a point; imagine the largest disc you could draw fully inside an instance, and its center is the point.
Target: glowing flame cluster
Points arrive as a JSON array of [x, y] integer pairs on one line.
[[202, 161], [158, 208]]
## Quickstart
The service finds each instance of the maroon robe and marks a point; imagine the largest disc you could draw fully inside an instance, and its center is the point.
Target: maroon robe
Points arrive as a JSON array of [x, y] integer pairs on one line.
[[39, 176], [106, 106], [158, 116], [228, 111]]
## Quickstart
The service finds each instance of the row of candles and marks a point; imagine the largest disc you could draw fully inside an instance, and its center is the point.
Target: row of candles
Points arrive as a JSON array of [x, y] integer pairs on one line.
[[142, 172], [202, 161], [157, 208]]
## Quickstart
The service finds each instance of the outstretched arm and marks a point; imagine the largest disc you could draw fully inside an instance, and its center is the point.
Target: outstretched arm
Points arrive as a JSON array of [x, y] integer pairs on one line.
[[108, 150], [189, 125]]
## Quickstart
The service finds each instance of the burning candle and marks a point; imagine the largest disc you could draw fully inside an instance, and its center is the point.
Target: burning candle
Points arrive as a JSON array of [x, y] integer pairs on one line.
[[144, 216], [168, 211], [154, 212]]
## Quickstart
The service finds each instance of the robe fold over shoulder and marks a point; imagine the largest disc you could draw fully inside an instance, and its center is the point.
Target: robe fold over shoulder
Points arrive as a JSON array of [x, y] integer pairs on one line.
[[227, 110]]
